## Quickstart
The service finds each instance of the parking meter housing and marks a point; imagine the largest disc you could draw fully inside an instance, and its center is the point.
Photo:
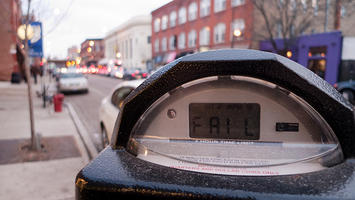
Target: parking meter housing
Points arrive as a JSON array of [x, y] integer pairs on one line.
[[117, 173]]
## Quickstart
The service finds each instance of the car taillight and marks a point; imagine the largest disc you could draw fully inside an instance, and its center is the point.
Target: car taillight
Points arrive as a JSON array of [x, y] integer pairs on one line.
[[144, 75], [335, 85], [133, 74]]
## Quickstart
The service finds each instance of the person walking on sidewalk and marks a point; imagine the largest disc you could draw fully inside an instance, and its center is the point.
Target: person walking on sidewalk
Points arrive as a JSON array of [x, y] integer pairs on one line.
[[34, 71]]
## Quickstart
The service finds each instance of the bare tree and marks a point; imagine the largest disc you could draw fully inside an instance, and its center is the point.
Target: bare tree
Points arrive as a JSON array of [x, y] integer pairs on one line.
[[285, 20]]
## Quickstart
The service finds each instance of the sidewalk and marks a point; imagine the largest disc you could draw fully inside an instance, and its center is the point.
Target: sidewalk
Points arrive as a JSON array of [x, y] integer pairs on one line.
[[53, 176]]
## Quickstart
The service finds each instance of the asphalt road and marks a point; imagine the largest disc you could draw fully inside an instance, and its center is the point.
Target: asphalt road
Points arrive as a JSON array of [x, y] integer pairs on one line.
[[87, 105]]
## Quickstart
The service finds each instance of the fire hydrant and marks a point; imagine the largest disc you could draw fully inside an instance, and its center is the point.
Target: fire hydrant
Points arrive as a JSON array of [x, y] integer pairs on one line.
[[57, 101]]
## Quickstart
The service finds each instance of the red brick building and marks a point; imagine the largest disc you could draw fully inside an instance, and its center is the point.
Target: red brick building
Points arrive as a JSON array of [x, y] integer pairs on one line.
[[185, 26], [91, 51], [10, 48]]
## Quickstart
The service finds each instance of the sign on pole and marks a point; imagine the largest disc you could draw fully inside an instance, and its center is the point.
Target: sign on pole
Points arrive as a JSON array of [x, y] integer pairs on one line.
[[35, 44]]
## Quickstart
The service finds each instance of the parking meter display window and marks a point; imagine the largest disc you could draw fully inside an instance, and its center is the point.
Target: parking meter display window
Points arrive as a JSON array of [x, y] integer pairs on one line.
[[169, 133], [224, 120]]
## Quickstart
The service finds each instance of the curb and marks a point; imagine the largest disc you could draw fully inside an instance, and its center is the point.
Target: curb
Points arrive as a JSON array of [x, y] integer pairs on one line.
[[83, 134]]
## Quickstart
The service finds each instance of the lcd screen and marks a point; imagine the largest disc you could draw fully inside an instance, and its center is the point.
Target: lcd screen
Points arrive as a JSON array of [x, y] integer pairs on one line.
[[240, 121]]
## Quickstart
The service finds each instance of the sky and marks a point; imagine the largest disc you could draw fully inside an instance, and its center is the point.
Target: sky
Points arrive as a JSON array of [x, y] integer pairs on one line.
[[69, 22]]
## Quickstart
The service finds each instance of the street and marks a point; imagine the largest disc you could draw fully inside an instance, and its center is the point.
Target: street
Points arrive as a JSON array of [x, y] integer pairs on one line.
[[87, 105]]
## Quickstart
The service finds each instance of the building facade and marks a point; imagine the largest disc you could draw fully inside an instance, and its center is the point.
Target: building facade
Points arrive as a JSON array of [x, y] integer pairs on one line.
[[73, 53], [182, 27], [130, 43], [11, 53], [92, 51]]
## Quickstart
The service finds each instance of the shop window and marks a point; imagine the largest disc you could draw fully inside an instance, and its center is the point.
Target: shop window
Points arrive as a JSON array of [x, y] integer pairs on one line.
[[318, 66]]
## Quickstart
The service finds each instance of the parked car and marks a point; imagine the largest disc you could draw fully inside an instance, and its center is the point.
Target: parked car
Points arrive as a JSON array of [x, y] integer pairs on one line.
[[72, 82], [134, 73], [347, 89], [110, 107]]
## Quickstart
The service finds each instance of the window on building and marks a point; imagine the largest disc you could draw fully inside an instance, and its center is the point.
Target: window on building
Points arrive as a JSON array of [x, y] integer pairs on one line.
[[238, 28], [164, 22], [205, 7], [156, 46], [181, 41], [149, 39], [182, 15], [293, 5], [315, 7], [157, 25], [192, 11], [304, 5], [173, 19], [279, 30], [164, 46], [172, 42], [126, 49], [219, 5], [130, 48], [219, 33], [205, 36], [236, 3], [343, 11], [192, 38]]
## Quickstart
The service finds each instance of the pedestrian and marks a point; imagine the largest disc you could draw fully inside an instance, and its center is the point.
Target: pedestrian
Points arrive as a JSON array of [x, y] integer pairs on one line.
[[34, 72]]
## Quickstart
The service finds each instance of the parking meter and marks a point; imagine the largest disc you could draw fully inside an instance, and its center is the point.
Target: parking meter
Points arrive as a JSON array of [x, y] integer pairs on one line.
[[228, 124]]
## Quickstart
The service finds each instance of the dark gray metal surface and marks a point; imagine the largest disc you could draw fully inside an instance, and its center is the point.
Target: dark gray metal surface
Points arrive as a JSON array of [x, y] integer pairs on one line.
[[116, 173]]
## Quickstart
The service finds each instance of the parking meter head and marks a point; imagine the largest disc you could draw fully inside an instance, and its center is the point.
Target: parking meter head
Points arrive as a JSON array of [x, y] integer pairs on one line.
[[227, 101]]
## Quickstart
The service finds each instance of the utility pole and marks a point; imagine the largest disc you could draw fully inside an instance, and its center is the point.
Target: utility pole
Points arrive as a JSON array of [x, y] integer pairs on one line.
[[34, 143]]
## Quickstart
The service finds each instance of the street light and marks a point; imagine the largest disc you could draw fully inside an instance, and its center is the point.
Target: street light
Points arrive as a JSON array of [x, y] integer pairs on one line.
[[237, 33], [91, 43]]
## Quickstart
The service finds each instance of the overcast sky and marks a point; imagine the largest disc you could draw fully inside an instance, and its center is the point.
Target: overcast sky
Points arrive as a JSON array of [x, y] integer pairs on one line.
[[70, 22]]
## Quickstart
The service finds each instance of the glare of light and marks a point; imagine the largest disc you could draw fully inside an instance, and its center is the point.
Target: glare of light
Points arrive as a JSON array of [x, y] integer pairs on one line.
[[289, 54], [78, 60], [89, 49], [21, 32], [237, 33], [118, 55], [91, 43], [309, 54], [322, 54], [78, 50], [145, 152]]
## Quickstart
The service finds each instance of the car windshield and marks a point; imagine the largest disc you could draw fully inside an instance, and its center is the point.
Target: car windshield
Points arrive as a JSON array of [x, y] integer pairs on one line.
[[71, 75]]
